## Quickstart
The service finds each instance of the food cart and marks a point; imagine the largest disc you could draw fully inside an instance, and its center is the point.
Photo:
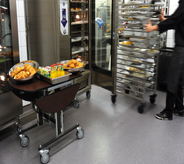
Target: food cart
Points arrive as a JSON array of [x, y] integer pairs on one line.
[[50, 97]]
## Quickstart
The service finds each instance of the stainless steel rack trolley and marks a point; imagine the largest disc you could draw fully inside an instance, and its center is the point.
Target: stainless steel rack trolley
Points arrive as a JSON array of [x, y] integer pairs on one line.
[[137, 52]]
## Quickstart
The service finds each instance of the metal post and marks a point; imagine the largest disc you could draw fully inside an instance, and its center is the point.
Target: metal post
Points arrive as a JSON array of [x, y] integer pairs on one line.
[[58, 123]]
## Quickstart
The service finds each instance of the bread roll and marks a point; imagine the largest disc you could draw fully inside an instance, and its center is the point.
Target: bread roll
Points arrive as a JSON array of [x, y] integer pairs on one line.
[[30, 69], [16, 71]]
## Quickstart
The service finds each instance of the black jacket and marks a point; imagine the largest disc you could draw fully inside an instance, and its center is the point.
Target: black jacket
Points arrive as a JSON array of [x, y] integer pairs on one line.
[[176, 22]]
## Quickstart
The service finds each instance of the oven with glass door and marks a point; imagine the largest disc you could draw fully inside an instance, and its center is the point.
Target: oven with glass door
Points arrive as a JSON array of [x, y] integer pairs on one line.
[[103, 45]]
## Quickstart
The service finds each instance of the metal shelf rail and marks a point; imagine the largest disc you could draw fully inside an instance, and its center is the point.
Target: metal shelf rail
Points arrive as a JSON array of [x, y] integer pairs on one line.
[[137, 51], [80, 44], [82, 14]]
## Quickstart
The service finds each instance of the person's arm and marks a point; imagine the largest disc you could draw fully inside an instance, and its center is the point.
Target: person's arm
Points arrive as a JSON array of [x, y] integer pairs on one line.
[[173, 20], [170, 22]]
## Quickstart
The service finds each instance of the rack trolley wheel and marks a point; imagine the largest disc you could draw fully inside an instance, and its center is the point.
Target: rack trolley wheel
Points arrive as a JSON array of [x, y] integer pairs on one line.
[[80, 133], [113, 98], [127, 91], [24, 140], [152, 98], [88, 94], [141, 109], [44, 156]]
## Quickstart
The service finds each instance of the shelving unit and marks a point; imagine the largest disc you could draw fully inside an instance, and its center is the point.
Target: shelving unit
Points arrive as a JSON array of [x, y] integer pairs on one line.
[[79, 30], [137, 52], [79, 44]]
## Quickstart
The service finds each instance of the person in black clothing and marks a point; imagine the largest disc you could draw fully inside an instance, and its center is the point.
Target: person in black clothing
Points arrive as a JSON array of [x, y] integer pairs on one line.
[[174, 98]]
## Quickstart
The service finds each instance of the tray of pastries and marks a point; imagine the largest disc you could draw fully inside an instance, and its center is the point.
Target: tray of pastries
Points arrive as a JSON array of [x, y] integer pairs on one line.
[[24, 71], [73, 65]]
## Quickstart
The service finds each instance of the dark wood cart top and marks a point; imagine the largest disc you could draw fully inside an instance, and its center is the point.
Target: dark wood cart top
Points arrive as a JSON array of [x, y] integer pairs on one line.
[[36, 84]]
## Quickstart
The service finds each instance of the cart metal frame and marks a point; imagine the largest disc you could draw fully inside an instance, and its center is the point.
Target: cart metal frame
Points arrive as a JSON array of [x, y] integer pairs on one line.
[[48, 102]]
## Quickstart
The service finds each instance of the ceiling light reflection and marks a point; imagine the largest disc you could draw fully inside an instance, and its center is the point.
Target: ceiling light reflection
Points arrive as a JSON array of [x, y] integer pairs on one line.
[[2, 78]]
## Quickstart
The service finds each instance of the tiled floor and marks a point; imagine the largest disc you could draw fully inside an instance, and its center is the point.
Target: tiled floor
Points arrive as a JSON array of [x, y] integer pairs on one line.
[[114, 134]]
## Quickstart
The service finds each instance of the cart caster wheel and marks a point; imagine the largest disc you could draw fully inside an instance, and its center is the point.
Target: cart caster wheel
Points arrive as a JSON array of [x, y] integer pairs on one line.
[[76, 104], [44, 156], [113, 98], [141, 109], [18, 129], [127, 91], [80, 133], [24, 140], [152, 98], [88, 94]]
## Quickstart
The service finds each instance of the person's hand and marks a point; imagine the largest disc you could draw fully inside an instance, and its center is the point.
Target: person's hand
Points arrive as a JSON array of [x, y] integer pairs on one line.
[[149, 27], [161, 16]]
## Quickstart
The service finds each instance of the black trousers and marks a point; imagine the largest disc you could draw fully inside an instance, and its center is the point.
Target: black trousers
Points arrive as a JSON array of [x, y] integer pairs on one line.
[[175, 80]]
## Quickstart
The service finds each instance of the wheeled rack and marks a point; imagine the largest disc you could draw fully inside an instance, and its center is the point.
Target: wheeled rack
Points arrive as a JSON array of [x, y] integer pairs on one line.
[[137, 51]]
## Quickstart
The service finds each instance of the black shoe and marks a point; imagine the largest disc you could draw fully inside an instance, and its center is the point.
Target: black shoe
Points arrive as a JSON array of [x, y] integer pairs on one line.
[[164, 115], [178, 112]]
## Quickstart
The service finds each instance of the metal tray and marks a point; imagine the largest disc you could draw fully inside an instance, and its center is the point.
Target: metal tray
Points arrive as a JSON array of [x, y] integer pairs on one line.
[[73, 70], [34, 64], [54, 80]]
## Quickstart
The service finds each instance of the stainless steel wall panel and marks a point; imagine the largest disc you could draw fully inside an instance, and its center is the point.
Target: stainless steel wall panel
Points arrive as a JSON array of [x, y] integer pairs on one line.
[[42, 34], [43, 53], [11, 107], [41, 23], [40, 8]]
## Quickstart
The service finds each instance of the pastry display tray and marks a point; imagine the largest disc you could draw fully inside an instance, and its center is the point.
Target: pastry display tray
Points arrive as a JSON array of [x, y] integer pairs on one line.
[[54, 80]]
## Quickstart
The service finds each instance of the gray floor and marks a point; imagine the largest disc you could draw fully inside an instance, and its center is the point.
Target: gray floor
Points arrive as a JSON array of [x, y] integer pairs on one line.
[[114, 134]]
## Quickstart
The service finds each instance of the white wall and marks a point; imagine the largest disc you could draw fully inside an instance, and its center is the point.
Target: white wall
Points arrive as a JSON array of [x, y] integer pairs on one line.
[[21, 30], [173, 5], [21, 33]]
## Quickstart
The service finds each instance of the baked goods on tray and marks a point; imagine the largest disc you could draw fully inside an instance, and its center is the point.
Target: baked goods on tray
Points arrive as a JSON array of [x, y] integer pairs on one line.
[[73, 64], [22, 72]]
